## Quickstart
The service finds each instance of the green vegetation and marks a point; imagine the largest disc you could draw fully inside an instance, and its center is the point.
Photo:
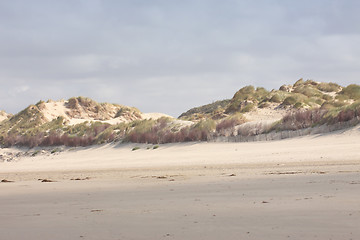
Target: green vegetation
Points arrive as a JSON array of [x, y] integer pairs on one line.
[[55, 150], [213, 110], [246, 99], [264, 105], [301, 95], [299, 82], [35, 153], [310, 103], [298, 105], [208, 125], [135, 148], [329, 87], [352, 91], [276, 98], [128, 112], [289, 101], [308, 90], [25, 121]]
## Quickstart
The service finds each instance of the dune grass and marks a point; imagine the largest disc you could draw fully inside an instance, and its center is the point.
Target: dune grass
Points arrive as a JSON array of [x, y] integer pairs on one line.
[[312, 104]]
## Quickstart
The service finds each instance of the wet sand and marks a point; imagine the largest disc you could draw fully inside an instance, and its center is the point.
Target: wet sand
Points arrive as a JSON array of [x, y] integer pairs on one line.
[[285, 206]]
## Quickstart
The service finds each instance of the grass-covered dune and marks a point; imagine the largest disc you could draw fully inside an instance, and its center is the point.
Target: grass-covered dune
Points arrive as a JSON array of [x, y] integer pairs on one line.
[[84, 122]]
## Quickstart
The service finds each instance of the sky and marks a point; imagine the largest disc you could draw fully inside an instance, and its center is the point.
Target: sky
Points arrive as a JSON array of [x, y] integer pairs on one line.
[[171, 55]]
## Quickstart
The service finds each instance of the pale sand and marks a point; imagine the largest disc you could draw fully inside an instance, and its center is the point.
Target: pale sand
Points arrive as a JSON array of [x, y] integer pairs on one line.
[[303, 188], [54, 109]]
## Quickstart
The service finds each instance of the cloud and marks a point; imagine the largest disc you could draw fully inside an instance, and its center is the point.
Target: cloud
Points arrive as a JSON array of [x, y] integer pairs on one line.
[[168, 56], [19, 90]]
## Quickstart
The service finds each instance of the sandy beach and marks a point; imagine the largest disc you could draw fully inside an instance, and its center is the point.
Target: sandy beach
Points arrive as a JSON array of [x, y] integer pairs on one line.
[[179, 120], [300, 188]]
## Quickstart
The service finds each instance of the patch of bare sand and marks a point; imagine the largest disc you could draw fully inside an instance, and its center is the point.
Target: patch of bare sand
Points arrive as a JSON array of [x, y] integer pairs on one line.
[[319, 206], [271, 113], [301, 188], [54, 109]]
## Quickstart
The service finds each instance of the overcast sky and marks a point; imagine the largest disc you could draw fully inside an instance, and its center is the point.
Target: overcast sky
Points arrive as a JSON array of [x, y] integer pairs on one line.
[[169, 56]]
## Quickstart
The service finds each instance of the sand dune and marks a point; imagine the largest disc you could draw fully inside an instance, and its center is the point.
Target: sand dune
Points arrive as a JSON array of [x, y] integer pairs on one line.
[[54, 109], [340, 146], [3, 116]]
